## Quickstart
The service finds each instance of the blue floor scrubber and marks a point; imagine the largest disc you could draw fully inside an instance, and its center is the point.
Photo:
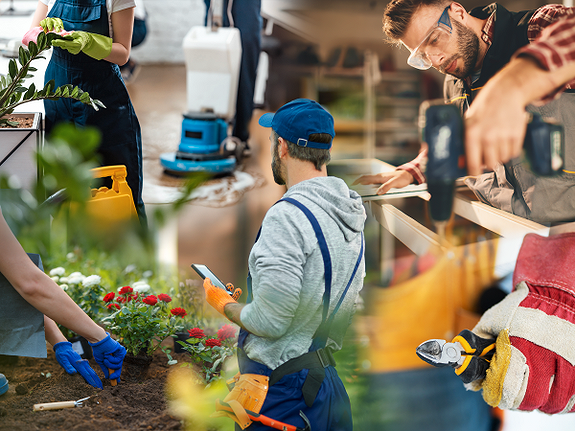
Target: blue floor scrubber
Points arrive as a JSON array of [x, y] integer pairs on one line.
[[212, 55]]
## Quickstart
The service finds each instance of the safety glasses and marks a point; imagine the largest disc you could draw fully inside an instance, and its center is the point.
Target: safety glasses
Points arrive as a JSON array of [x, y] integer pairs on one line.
[[434, 43]]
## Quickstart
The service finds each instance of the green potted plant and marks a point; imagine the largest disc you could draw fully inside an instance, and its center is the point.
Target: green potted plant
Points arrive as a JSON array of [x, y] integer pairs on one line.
[[21, 132], [141, 323]]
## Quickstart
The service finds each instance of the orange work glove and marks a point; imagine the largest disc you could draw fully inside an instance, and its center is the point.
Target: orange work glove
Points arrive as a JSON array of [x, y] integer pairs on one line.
[[218, 297]]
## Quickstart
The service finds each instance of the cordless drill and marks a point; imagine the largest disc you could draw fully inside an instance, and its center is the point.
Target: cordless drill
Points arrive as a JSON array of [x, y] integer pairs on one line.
[[441, 127]]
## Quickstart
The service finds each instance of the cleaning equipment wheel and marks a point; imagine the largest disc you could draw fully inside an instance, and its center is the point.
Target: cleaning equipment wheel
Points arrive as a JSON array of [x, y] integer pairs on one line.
[[180, 167]]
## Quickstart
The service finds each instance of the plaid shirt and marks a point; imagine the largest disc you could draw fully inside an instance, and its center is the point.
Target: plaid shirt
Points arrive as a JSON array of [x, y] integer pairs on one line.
[[551, 33]]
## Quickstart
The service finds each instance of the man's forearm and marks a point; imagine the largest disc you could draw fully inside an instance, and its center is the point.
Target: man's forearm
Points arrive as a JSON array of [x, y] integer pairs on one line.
[[233, 311]]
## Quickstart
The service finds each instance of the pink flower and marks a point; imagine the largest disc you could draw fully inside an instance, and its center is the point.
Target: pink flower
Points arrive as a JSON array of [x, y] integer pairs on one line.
[[226, 331], [212, 342], [110, 306], [150, 300], [125, 290], [164, 298], [178, 311], [196, 333], [109, 297]]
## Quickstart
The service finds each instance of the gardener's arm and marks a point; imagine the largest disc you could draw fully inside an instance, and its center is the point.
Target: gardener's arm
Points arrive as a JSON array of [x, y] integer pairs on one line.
[[122, 26], [39, 14], [41, 291], [53, 333], [233, 312]]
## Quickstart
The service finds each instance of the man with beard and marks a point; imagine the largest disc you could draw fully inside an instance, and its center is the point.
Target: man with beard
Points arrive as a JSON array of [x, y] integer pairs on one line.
[[305, 273], [470, 48]]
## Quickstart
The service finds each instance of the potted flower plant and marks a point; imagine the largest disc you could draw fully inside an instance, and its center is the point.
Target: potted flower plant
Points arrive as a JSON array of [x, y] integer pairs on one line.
[[141, 323], [21, 131], [208, 353]]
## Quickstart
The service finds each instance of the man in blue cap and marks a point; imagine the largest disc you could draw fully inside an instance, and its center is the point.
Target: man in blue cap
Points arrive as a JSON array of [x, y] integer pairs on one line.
[[305, 273]]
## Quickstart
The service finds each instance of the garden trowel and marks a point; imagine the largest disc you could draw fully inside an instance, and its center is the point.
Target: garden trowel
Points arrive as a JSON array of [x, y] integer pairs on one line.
[[59, 405]]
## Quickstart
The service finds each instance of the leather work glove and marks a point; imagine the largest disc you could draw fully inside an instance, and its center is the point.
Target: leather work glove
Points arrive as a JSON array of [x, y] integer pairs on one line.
[[533, 367], [109, 354], [218, 297], [52, 24], [94, 45], [73, 363]]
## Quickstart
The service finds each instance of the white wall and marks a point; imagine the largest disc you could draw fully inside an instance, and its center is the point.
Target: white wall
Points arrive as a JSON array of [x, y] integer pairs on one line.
[[168, 22]]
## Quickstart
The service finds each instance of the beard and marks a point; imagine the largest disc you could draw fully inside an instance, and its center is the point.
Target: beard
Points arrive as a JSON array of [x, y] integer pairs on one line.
[[467, 50], [276, 166]]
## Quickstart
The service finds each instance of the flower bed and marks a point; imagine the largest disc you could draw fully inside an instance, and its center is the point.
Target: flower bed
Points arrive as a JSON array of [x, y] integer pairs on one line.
[[127, 406]]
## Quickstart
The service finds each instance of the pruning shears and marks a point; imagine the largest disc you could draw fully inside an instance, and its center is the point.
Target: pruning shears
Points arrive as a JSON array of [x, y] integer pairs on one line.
[[59, 405], [264, 420], [468, 353]]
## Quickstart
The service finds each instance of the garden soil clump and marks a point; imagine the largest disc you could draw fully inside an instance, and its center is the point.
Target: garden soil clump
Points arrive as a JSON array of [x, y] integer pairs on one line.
[[131, 405]]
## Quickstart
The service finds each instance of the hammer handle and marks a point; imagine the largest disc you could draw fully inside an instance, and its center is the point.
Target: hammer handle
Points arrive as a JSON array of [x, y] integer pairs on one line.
[[54, 406]]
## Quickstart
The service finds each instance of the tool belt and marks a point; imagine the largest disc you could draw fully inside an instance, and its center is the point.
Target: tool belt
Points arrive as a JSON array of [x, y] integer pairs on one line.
[[316, 361], [249, 390]]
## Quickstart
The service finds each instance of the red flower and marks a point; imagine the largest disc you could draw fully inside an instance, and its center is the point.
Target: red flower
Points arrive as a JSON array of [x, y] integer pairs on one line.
[[126, 289], [178, 311], [196, 333], [150, 300], [110, 306], [226, 331], [164, 298], [212, 342], [109, 297]]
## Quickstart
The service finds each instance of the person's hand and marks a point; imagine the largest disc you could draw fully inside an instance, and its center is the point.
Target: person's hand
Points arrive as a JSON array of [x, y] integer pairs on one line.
[[92, 44], [52, 24], [73, 363], [218, 297], [494, 132], [109, 355], [534, 331], [396, 179]]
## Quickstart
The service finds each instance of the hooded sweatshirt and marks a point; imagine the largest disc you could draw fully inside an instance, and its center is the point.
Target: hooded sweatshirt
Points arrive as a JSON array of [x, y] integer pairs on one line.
[[288, 272]]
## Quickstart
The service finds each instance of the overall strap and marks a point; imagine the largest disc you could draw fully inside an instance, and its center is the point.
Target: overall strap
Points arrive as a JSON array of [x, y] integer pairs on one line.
[[324, 252]]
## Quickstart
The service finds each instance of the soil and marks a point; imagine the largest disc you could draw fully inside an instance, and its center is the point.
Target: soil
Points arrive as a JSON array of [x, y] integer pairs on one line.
[[23, 122], [130, 405]]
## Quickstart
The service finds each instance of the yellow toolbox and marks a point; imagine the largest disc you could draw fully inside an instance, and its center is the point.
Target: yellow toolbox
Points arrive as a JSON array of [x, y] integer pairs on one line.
[[115, 204]]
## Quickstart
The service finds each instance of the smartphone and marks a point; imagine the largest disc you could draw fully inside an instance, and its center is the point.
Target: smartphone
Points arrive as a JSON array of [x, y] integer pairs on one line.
[[205, 272]]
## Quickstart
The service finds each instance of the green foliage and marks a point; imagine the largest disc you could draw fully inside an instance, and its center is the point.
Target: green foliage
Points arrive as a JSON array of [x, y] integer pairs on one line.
[[66, 162], [209, 359], [13, 92], [141, 326]]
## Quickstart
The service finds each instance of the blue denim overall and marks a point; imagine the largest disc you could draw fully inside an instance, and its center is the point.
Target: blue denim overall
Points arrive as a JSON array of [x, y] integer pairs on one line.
[[316, 391], [121, 137]]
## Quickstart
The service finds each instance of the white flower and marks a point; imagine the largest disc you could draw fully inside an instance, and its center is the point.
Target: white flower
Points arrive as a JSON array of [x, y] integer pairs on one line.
[[141, 286], [147, 274], [71, 257], [64, 287], [55, 278], [76, 278], [63, 280], [129, 269], [58, 271], [91, 280]]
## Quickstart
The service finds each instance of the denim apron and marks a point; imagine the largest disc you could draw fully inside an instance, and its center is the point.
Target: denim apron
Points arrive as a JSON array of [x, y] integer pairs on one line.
[[330, 409], [121, 137]]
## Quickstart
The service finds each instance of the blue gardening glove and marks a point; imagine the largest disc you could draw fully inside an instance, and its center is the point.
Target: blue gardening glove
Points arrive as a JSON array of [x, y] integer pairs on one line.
[[52, 24], [94, 45], [109, 354], [71, 361]]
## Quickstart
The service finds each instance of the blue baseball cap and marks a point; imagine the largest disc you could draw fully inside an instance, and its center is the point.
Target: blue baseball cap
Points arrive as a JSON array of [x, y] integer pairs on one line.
[[298, 119]]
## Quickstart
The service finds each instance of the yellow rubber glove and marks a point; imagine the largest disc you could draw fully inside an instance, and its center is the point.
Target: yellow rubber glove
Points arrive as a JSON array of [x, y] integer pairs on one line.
[[218, 297], [92, 44], [52, 24]]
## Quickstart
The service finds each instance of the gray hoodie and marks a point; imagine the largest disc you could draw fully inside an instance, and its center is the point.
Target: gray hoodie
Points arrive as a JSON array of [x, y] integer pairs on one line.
[[287, 271]]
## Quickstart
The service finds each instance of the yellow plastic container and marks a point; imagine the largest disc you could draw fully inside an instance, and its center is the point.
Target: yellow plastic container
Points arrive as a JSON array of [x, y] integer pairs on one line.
[[115, 204]]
